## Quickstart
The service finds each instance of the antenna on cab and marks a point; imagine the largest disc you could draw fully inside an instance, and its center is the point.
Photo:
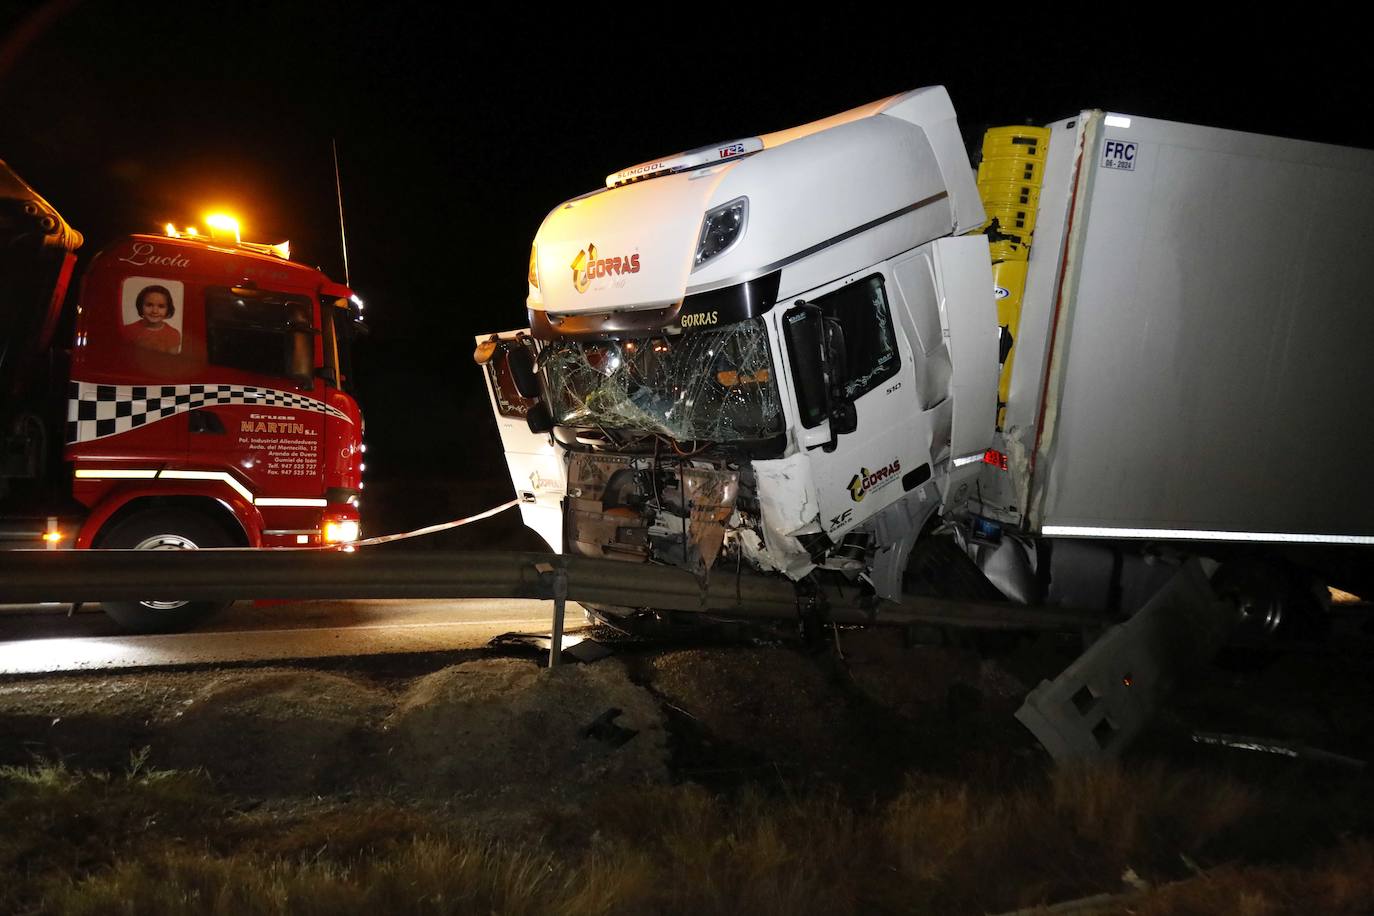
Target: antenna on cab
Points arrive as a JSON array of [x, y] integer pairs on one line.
[[338, 192]]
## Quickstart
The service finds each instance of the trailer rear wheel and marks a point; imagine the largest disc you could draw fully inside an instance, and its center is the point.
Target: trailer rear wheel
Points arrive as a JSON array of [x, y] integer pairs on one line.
[[164, 529], [1277, 605]]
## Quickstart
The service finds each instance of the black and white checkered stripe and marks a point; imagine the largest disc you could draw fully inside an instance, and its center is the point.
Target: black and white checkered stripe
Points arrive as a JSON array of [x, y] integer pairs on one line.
[[97, 411]]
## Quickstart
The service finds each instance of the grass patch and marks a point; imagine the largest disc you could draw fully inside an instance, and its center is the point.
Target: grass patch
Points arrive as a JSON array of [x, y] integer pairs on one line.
[[164, 843]]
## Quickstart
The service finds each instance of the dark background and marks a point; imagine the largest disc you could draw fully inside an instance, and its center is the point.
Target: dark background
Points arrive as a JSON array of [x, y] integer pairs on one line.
[[458, 130]]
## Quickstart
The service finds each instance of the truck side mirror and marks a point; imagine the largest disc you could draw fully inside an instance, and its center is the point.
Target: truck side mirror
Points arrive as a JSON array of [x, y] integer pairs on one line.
[[539, 420], [300, 343], [804, 330], [836, 355], [844, 418], [520, 361]]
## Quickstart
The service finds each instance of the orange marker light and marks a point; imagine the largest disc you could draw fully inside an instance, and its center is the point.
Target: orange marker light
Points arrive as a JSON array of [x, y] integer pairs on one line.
[[224, 226]]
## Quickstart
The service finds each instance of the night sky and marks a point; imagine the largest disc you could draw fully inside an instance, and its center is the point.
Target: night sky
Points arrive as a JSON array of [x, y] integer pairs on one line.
[[457, 132]]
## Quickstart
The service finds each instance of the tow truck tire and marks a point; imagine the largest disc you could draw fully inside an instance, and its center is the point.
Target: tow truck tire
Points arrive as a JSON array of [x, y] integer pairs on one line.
[[164, 529]]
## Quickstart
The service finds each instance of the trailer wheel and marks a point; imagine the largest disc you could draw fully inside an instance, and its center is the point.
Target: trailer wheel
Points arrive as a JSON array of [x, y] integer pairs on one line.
[[1277, 603], [164, 529]]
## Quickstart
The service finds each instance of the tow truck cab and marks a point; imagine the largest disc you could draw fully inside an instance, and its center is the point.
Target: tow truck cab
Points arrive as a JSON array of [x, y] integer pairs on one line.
[[205, 399], [234, 404]]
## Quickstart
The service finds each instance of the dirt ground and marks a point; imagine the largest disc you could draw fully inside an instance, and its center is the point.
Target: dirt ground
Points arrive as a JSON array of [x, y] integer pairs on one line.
[[857, 713], [758, 763], [504, 728]]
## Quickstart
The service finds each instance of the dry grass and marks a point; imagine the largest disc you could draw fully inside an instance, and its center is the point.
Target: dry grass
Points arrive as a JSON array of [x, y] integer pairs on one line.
[[162, 843], [1340, 882]]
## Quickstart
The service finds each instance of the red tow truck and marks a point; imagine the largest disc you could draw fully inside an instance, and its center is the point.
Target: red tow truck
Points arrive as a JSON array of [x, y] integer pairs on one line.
[[205, 399]]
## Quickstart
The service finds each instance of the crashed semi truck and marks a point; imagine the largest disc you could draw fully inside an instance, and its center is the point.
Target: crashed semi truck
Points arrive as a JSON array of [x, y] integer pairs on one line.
[[837, 354], [195, 394]]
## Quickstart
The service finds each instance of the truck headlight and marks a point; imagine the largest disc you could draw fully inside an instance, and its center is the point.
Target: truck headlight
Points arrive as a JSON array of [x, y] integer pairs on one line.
[[341, 531], [721, 228]]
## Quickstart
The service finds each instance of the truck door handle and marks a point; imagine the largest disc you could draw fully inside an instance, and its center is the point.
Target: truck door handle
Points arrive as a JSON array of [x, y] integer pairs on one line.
[[203, 421]]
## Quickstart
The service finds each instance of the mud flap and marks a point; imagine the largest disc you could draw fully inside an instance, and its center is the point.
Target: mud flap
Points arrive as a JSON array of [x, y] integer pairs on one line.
[[1106, 697]]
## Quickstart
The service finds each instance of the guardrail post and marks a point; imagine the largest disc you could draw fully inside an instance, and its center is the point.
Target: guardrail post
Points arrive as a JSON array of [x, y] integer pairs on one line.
[[553, 583], [560, 602]]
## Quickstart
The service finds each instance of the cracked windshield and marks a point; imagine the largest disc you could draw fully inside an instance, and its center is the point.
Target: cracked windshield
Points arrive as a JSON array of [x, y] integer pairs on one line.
[[714, 385]]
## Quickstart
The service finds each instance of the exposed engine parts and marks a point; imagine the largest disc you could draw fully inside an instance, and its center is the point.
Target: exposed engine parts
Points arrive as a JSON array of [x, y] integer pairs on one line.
[[673, 510]]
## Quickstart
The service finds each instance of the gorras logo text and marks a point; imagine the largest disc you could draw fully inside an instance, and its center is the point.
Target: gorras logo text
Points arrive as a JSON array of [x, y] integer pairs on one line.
[[867, 480], [587, 267]]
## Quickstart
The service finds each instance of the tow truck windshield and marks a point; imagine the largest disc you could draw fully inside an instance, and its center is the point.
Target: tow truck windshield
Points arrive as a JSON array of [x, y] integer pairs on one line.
[[714, 385]]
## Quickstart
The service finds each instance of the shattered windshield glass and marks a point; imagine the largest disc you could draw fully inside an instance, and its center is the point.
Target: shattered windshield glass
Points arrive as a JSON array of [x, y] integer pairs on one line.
[[709, 385]]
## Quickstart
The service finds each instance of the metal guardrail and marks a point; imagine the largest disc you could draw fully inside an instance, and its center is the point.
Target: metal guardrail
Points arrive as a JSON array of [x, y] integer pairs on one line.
[[226, 574], [70, 576]]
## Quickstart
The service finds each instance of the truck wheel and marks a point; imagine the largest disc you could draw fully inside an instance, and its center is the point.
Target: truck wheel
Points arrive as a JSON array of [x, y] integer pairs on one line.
[[632, 621], [164, 529], [939, 568]]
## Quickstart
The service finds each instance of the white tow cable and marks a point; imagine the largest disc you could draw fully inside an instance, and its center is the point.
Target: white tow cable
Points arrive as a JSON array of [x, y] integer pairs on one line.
[[388, 538]]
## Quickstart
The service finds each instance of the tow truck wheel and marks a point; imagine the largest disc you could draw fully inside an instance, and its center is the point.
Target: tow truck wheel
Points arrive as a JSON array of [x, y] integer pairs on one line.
[[164, 529]]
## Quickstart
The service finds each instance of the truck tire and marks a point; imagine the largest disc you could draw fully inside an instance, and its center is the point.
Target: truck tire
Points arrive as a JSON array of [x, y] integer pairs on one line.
[[164, 529], [939, 568]]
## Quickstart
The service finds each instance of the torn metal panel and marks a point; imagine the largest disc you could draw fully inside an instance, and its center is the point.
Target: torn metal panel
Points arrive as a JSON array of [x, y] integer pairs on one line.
[[898, 527], [789, 507], [710, 503], [1280, 748], [712, 385]]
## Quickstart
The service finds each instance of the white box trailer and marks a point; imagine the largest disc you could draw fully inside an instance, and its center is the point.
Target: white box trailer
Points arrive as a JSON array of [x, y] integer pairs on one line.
[[1193, 353]]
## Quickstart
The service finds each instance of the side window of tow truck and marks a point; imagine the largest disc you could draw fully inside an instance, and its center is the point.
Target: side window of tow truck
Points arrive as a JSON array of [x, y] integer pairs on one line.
[[340, 326], [261, 332], [861, 311]]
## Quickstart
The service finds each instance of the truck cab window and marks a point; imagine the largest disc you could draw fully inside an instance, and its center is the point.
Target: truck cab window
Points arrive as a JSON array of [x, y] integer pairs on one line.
[[870, 343], [262, 332], [340, 325]]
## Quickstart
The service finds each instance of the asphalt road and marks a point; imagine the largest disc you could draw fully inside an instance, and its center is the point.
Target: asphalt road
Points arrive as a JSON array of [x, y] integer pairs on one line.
[[40, 639]]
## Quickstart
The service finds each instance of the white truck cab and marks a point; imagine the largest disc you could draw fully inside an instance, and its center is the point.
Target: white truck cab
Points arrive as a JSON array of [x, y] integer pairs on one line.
[[776, 351]]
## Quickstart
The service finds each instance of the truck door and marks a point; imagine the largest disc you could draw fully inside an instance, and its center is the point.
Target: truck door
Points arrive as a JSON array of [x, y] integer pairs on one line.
[[943, 301], [537, 470], [340, 323], [261, 409], [135, 352], [886, 454]]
